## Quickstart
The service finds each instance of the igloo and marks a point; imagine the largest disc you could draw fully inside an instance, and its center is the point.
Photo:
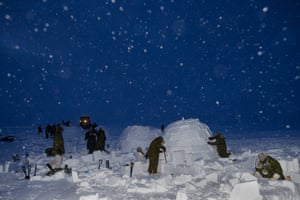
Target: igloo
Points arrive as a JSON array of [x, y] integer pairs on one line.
[[186, 141], [137, 136]]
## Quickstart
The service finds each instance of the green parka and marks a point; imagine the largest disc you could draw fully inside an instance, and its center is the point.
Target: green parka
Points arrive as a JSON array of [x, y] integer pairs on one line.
[[58, 141], [268, 166], [155, 148]]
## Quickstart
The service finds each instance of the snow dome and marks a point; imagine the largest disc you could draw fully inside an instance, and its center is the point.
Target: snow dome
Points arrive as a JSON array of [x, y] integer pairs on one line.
[[137, 136], [189, 139]]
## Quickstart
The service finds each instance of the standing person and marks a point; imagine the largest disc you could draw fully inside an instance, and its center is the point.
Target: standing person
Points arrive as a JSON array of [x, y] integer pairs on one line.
[[26, 167], [101, 138], [47, 131], [221, 145], [268, 167], [40, 130], [162, 128], [155, 148], [90, 136], [58, 140]]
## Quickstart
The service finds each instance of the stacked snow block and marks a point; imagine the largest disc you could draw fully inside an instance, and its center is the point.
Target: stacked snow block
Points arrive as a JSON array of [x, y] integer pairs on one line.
[[5, 168], [291, 168], [247, 191], [186, 141]]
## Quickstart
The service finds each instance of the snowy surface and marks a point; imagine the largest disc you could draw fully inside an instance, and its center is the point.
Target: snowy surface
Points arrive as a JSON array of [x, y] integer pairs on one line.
[[190, 170]]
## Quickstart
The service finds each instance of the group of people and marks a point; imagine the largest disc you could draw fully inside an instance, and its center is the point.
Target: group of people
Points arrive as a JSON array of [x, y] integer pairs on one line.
[[95, 139], [265, 166]]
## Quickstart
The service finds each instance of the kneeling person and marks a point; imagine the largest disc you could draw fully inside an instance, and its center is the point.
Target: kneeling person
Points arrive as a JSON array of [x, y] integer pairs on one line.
[[268, 167]]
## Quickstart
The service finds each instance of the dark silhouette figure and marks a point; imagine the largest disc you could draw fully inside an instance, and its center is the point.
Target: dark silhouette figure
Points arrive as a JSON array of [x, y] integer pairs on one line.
[[162, 128], [221, 145], [155, 148], [40, 130], [101, 139], [90, 136], [58, 140], [47, 131]]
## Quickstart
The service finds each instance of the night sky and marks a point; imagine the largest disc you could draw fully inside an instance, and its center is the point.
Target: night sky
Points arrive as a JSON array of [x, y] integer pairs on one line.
[[233, 64]]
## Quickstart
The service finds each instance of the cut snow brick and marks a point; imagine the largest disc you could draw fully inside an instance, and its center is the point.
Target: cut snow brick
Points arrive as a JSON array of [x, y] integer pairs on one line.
[[181, 195], [246, 191], [88, 158], [246, 177], [75, 176], [289, 166], [213, 177]]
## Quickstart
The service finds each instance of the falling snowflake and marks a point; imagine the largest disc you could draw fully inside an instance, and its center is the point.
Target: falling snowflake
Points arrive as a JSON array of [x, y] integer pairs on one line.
[[265, 9]]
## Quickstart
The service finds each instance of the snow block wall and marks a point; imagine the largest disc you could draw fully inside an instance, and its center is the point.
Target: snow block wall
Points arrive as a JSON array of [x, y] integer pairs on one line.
[[186, 141], [289, 166], [137, 136]]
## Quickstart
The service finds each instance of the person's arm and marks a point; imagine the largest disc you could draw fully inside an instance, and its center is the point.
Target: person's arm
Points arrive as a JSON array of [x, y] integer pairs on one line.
[[163, 148], [212, 137], [212, 143]]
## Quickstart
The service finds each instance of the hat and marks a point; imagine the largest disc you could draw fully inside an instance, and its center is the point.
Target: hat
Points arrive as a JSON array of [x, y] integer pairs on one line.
[[262, 156]]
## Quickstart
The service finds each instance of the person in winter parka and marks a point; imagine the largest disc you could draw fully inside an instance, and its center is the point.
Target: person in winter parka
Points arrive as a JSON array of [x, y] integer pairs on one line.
[[90, 136], [221, 145], [101, 138], [58, 140], [268, 167], [155, 148]]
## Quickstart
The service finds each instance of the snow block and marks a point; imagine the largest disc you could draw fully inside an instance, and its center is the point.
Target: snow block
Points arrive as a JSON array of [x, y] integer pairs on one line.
[[6, 166], [182, 179], [295, 177], [88, 158], [98, 155], [177, 157], [190, 158], [247, 177], [213, 177], [246, 191], [152, 188], [181, 195], [90, 197], [138, 169], [75, 176], [198, 167], [73, 163], [289, 166], [161, 167]]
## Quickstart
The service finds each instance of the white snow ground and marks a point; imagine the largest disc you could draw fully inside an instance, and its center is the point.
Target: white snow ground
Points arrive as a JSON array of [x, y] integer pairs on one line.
[[191, 169]]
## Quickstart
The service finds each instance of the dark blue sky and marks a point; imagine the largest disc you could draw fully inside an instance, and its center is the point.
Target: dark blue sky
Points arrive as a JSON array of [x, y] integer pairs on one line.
[[232, 64]]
